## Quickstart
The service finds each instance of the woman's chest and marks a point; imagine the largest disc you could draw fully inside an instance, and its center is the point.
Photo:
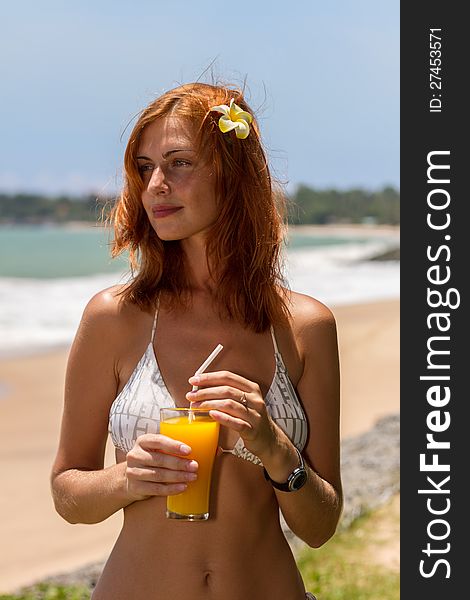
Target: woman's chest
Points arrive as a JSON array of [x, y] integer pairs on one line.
[[180, 351]]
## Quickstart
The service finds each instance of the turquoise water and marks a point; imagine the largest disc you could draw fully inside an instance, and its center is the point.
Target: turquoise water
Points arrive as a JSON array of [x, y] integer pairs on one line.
[[55, 252], [302, 240]]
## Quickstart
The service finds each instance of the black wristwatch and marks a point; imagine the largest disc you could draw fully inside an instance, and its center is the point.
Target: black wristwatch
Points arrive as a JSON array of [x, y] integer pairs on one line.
[[296, 479]]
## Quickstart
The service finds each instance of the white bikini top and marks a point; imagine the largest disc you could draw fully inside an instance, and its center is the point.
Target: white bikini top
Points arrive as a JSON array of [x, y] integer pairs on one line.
[[136, 409]]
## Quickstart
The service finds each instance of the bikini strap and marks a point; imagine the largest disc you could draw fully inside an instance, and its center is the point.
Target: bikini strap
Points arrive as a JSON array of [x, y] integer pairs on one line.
[[276, 349], [154, 327], [280, 365]]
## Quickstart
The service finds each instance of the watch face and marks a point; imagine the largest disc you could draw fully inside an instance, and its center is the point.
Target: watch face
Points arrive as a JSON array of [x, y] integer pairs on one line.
[[298, 479]]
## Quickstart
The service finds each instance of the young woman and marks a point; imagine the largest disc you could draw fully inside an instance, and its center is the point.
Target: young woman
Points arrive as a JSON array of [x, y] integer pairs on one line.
[[203, 224]]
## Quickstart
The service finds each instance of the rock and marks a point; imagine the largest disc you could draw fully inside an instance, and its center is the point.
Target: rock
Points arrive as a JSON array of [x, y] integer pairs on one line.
[[370, 469], [390, 254]]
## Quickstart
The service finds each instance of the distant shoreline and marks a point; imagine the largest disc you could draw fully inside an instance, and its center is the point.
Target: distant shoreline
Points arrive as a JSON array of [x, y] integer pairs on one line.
[[55, 225], [346, 229]]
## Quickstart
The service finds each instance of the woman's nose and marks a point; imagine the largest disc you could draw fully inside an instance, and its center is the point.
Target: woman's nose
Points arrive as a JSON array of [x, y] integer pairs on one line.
[[158, 182]]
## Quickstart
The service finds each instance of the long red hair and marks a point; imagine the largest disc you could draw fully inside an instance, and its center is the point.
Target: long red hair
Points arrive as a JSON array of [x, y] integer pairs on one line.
[[243, 246]]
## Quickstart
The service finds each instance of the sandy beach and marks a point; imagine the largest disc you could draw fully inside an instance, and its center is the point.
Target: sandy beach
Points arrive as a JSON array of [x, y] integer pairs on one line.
[[36, 542]]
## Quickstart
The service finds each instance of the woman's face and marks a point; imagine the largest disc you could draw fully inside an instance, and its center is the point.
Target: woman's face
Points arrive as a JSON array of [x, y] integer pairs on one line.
[[179, 189]]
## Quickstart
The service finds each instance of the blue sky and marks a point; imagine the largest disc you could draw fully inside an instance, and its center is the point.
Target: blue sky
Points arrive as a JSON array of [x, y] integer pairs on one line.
[[323, 79]]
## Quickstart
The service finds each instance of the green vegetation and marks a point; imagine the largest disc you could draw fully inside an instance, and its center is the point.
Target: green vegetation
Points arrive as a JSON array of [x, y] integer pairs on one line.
[[309, 206], [342, 569], [45, 591], [306, 206], [33, 209]]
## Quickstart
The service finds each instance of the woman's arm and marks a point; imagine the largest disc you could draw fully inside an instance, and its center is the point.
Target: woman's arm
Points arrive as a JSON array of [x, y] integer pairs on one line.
[[83, 491], [312, 512]]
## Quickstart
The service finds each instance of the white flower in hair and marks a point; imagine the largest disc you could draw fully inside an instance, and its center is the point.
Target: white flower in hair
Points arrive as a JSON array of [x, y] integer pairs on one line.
[[234, 117]]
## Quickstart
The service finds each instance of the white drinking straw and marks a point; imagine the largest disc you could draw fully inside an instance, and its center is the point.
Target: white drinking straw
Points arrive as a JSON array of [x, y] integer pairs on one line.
[[204, 366]]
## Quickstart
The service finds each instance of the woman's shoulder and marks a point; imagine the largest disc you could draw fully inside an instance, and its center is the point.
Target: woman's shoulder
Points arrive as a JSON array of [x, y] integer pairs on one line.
[[313, 327], [312, 323], [108, 309], [109, 330], [106, 303], [307, 311], [107, 299]]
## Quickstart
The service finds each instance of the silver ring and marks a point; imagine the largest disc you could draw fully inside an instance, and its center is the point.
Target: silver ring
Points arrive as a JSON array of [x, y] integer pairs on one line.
[[243, 400]]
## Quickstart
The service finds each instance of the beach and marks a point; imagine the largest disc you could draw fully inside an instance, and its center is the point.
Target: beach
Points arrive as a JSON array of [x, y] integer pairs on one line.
[[37, 543]]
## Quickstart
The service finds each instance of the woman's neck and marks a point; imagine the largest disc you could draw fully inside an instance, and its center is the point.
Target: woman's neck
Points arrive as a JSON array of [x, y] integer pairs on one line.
[[199, 274]]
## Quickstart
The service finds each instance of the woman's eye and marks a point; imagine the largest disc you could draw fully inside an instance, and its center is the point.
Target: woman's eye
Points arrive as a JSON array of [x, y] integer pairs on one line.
[[181, 162], [145, 168]]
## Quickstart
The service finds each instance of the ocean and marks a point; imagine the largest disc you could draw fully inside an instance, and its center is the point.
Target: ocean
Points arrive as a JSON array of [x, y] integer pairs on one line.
[[48, 274]]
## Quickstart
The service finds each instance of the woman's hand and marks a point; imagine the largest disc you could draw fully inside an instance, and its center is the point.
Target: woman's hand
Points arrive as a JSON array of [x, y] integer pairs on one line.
[[156, 467], [237, 403]]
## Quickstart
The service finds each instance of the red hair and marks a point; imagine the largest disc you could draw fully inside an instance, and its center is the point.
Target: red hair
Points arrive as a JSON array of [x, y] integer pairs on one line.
[[243, 246]]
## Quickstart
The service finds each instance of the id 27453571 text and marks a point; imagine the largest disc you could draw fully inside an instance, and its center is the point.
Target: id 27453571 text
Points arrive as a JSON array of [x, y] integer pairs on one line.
[[435, 68]]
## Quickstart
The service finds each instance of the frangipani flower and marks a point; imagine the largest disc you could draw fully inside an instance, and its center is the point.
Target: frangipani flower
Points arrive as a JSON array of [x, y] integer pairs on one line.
[[233, 117]]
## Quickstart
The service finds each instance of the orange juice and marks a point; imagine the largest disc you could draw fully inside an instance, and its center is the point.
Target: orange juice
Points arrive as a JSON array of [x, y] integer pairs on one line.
[[201, 433]]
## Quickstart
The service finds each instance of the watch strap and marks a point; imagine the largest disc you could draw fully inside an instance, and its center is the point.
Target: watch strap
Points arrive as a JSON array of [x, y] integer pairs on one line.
[[285, 486]]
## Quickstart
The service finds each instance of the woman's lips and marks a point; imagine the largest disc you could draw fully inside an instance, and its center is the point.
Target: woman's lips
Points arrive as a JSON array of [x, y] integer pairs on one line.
[[164, 210]]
